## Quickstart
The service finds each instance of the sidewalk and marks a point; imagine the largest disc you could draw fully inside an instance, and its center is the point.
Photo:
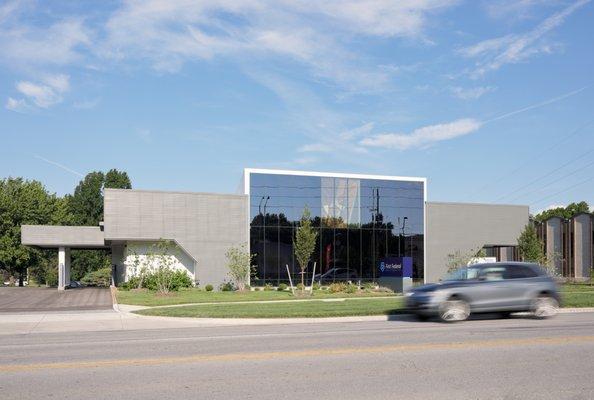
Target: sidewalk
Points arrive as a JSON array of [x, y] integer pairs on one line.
[[51, 322]]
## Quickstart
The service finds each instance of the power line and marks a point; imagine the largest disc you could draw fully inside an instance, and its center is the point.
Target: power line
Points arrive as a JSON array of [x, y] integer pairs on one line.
[[564, 190], [554, 181], [545, 175], [530, 160]]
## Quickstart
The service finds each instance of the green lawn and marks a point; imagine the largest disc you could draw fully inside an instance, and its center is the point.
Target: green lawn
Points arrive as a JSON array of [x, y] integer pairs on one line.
[[308, 309], [577, 287], [569, 299], [145, 298]]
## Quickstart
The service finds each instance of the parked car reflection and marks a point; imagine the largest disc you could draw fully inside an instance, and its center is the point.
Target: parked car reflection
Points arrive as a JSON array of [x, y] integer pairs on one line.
[[337, 274]]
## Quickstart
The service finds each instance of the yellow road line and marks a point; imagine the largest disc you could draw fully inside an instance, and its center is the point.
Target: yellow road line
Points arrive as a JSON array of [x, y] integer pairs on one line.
[[298, 353]]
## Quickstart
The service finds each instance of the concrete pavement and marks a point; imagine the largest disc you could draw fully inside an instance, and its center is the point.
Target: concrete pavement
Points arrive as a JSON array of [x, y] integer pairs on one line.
[[41, 299], [489, 358]]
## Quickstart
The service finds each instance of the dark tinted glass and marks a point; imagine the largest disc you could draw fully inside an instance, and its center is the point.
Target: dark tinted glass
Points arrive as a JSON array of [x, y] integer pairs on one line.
[[519, 272], [359, 222]]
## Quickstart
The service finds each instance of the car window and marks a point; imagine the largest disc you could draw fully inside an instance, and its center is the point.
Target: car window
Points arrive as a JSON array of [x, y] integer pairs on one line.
[[462, 274], [493, 273], [519, 272]]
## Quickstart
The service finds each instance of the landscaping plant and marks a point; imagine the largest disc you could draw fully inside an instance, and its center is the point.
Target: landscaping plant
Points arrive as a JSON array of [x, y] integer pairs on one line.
[[239, 262], [304, 243]]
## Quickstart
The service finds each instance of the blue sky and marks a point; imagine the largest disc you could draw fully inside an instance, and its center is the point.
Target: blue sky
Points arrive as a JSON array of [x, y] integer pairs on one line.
[[492, 101]]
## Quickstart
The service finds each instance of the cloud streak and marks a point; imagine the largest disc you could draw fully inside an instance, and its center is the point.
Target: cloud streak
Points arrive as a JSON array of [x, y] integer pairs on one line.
[[514, 48], [428, 135], [170, 34], [425, 136], [57, 164]]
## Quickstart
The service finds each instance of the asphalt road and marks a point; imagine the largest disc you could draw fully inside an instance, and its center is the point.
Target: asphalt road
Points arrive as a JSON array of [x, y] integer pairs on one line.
[[519, 358]]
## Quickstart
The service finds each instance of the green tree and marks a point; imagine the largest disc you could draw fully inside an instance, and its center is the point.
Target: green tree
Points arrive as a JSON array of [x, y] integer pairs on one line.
[[86, 208], [305, 242], [115, 179], [530, 247], [23, 202], [563, 212]]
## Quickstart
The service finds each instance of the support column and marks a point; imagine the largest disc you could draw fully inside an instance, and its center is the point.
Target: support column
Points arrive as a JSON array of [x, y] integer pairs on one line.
[[63, 267]]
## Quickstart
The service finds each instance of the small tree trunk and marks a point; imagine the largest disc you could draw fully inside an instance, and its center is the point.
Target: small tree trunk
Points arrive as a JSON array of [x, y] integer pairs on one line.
[[302, 279]]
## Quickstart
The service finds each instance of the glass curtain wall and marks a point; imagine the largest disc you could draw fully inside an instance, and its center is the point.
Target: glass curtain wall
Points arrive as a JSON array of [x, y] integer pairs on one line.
[[359, 222]]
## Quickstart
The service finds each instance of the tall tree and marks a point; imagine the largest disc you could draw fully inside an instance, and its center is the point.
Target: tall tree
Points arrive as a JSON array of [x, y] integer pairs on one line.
[[23, 202], [86, 204], [115, 179], [305, 242], [86, 207]]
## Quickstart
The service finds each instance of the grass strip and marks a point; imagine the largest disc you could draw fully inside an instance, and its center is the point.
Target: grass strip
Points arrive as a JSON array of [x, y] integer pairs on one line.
[[309, 309], [150, 299]]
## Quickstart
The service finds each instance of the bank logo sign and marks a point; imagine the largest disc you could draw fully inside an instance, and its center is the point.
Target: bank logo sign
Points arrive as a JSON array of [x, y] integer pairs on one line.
[[400, 267]]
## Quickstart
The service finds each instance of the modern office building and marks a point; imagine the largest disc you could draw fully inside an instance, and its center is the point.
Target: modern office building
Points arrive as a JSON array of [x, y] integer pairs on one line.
[[362, 222]]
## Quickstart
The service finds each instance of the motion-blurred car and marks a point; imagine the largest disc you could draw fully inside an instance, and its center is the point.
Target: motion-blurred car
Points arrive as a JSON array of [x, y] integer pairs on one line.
[[487, 288], [336, 274]]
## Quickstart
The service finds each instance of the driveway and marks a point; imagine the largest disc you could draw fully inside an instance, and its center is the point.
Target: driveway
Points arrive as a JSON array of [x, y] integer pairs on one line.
[[33, 299]]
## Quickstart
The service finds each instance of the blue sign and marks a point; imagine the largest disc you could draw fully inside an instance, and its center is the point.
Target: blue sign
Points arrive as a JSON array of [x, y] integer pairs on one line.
[[399, 267]]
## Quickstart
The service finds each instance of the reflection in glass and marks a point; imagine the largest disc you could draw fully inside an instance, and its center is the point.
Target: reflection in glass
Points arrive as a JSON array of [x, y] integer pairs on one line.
[[359, 222]]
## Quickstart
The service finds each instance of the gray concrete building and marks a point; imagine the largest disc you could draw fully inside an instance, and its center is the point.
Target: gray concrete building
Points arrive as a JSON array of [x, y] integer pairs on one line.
[[365, 224]]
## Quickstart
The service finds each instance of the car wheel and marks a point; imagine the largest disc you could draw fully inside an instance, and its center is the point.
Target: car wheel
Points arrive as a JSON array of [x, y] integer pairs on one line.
[[454, 310], [544, 307]]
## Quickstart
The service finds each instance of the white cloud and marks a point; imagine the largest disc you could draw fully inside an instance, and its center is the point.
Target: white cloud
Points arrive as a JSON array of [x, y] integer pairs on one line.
[[515, 48], [19, 105], [425, 136], [58, 44], [47, 93], [169, 34], [472, 93]]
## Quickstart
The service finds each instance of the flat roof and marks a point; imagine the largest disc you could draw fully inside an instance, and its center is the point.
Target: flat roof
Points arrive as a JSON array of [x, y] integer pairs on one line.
[[248, 171], [332, 174], [52, 236]]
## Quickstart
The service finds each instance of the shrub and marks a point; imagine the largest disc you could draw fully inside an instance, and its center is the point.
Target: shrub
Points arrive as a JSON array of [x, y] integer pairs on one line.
[[268, 287], [368, 286], [209, 288], [180, 279], [257, 289], [300, 286], [350, 288], [133, 283], [51, 277], [282, 287], [227, 287], [316, 286], [100, 277], [337, 287]]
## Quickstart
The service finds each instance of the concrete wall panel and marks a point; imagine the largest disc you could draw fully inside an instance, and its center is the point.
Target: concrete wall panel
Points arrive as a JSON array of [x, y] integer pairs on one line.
[[205, 225], [466, 227]]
